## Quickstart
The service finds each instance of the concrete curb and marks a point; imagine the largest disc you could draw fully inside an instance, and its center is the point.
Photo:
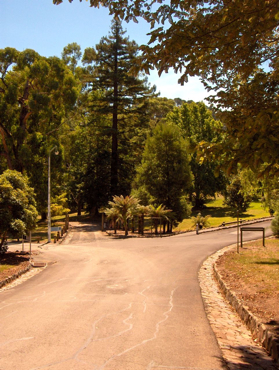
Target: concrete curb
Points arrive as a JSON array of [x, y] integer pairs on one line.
[[15, 276], [265, 337]]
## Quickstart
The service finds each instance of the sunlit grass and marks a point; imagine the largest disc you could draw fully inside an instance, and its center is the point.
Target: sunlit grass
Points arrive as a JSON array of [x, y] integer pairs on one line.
[[40, 234], [215, 208], [256, 264], [4, 267], [220, 213]]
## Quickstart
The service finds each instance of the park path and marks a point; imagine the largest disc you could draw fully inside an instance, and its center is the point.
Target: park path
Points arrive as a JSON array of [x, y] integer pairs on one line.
[[130, 303]]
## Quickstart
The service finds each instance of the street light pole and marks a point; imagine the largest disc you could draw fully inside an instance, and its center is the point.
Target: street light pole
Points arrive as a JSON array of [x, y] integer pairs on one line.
[[49, 193]]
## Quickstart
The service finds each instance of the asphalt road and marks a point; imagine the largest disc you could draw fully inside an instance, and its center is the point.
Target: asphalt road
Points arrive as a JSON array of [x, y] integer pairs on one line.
[[114, 304]]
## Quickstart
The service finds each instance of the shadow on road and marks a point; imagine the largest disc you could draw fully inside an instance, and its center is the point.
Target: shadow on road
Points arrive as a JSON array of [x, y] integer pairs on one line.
[[251, 359], [85, 226]]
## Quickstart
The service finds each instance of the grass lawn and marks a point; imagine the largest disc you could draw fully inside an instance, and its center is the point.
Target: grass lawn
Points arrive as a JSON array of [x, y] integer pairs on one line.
[[57, 221], [4, 267], [214, 208], [220, 214], [41, 232], [256, 264], [253, 275]]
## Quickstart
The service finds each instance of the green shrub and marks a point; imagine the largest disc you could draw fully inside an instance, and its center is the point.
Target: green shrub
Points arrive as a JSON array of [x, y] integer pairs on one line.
[[275, 225], [202, 221]]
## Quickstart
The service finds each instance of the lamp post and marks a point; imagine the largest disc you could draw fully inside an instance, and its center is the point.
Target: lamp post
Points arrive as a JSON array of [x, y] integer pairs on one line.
[[49, 192]]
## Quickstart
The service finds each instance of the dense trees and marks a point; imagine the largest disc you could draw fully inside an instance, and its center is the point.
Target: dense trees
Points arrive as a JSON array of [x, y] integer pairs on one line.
[[235, 198], [112, 118], [122, 208], [124, 95], [115, 134], [18, 212], [35, 95], [233, 47], [165, 171], [198, 125]]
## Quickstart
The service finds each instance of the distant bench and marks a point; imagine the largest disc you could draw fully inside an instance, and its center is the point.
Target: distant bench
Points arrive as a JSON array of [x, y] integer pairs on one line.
[[252, 229]]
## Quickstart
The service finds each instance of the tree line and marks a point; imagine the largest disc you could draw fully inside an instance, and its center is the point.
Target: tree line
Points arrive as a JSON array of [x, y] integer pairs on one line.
[[115, 135]]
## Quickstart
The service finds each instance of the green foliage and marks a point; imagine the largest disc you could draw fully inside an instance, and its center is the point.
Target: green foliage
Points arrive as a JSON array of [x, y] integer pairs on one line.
[[71, 55], [197, 124], [158, 109], [201, 221], [165, 171], [143, 195], [35, 95], [18, 212], [89, 159], [185, 207], [233, 47], [122, 208], [59, 205], [235, 198], [123, 99], [266, 188], [111, 214], [158, 214], [275, 224]]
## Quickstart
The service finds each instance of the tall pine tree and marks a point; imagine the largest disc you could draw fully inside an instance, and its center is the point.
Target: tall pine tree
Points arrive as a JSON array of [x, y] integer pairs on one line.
[[124, 95]]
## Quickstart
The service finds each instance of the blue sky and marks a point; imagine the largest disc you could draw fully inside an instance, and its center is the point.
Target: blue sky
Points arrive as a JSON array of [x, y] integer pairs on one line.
[[48, 28]]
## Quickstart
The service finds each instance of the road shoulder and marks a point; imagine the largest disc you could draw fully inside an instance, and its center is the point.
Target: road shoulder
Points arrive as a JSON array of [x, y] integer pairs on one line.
[[239, 350]]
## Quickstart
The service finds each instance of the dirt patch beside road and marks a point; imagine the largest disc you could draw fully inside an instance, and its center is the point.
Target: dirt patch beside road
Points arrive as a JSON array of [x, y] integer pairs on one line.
[[11, 263]]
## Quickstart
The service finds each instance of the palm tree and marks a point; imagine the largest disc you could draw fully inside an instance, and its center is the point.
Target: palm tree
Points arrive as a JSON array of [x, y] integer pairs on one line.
[[124, 208], [141, 212], [202, 221], [112, 214], [157, 214]]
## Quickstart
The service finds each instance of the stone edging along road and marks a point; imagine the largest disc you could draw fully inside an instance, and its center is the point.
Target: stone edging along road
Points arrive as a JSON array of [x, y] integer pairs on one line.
[[265, 337], [239, 350], [15, 276]]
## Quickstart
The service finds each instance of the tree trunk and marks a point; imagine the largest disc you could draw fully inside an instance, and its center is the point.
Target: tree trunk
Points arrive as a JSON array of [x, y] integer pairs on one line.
[[93, 211], [6, 150], [43, 216], [114, 158], [156, 227], [3, 239], [125, 224], [79, 212], [115, 226], [142, 224]]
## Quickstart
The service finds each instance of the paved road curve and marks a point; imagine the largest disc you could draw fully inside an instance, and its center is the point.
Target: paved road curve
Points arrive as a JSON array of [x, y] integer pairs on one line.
[[113, 304]]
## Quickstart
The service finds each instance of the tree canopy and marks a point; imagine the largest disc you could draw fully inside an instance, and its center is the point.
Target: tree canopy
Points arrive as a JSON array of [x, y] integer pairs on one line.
[[18, 212], [233, 47], [165, 171], [36, 94], [198, 124], [204, 37], [124, 93], [100, 113], [235, 198]]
